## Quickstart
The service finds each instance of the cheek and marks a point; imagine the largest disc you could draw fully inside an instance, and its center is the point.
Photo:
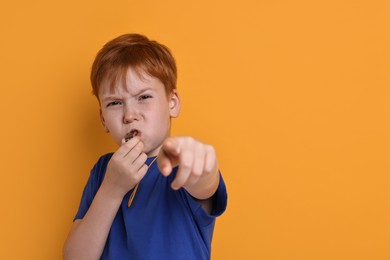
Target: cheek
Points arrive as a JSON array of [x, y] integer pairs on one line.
[[161, 116], [112, 121]]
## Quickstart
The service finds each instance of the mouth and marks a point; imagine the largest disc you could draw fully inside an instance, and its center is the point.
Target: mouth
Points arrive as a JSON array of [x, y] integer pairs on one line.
[[131, 134]]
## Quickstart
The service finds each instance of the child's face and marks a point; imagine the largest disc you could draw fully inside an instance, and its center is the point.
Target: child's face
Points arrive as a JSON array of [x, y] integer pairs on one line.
[[141, 107]]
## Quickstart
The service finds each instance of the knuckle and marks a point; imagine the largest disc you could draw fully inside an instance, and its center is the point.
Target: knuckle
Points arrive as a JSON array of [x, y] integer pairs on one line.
[[114, 158], [186, 166], [143, 170], [209, 166], [199, 146], [190, 140], [137, 149], [143, 157], [210, 149], [197, 173]]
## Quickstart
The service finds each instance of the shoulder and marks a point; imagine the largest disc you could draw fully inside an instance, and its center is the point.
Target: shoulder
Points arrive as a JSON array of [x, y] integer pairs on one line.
[[102, 161], [100, 166], [104, 158]]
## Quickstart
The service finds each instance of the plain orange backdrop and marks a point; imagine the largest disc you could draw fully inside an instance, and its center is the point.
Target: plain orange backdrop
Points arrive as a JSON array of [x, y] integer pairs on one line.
[[294, 95]]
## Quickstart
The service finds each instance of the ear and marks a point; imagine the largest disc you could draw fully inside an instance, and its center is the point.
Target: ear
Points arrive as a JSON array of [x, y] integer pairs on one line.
[[103, 121], [174, 103]]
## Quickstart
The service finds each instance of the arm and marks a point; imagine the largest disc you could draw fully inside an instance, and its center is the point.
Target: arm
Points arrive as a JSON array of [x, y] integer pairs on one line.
[[198, 167], [88, 236]]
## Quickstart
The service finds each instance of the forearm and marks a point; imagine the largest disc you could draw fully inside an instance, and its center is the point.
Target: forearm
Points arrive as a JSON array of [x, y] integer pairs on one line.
[[206, 187], [88, 236]]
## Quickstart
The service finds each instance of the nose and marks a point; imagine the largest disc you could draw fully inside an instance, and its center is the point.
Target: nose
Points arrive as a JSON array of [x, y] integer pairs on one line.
[[130, 114]]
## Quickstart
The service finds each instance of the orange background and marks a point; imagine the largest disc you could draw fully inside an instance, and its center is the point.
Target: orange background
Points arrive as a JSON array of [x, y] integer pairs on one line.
[[294, 95]]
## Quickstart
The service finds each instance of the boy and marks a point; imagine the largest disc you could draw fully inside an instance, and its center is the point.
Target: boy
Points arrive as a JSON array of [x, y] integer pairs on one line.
[[134, 206]]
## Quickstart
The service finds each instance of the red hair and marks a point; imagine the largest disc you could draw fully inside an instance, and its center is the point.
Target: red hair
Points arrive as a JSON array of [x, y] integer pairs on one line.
[[137, 52]]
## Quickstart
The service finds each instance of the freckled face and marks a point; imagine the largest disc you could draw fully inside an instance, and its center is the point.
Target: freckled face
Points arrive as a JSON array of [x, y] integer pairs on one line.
[[142, 106]]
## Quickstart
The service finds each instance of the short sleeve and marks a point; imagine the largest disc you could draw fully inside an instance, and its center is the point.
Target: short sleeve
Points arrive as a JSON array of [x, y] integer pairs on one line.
[[219, 205], [93, 184]]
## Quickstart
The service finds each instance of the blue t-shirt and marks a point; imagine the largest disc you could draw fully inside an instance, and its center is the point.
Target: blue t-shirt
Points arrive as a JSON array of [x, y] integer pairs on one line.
[[161, 223]]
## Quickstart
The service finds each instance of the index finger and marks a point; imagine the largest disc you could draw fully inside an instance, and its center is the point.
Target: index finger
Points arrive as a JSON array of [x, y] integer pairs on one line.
[[168, 156], [126, 147], [171, 147]]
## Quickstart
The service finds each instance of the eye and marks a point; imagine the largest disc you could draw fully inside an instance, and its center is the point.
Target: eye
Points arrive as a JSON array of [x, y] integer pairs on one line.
[[144, 97], [114, 103]]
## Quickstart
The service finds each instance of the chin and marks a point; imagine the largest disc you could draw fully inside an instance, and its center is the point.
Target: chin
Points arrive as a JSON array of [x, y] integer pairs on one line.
[[152, 152]]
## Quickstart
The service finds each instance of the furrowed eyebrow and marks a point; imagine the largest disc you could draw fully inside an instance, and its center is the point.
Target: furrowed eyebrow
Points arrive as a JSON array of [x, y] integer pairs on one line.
[[109, 98], [143, 91]]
